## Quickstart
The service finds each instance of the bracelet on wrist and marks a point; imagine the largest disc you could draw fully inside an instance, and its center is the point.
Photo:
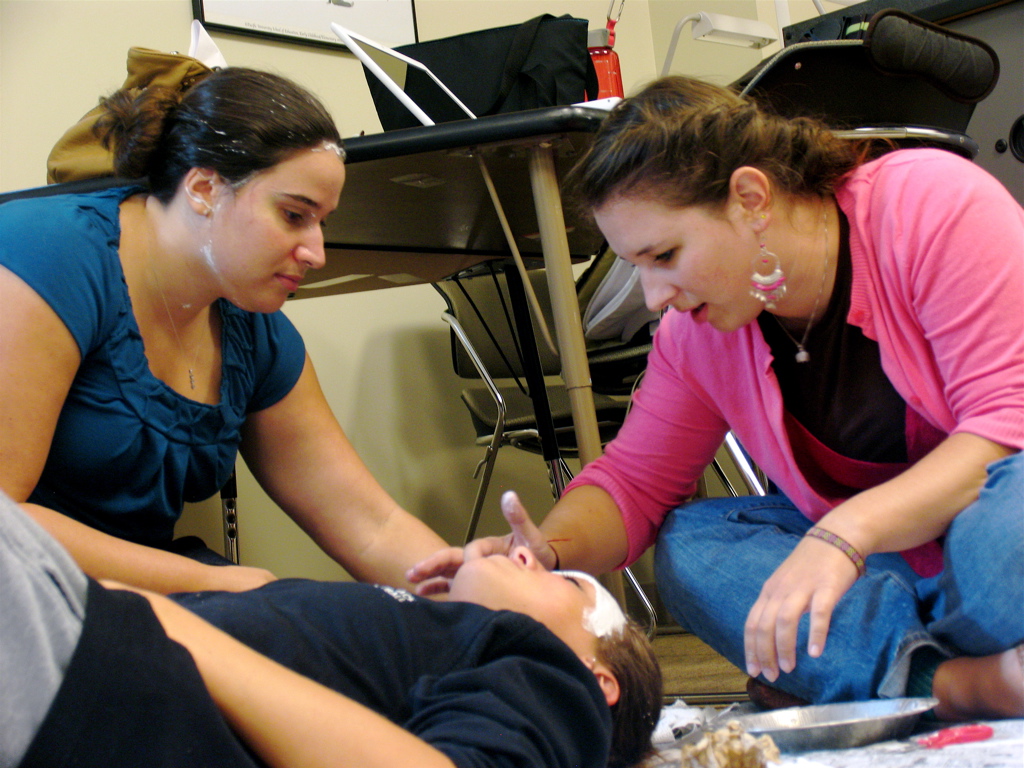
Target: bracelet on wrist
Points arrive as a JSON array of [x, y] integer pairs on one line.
[[841, 544]]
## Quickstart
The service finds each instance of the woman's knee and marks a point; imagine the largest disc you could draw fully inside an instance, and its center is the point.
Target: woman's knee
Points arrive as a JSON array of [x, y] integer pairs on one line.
[[701, 543], [987, 538], [981, 588]]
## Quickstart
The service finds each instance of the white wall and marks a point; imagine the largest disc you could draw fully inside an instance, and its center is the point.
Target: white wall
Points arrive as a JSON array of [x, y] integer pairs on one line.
[[382, 356]]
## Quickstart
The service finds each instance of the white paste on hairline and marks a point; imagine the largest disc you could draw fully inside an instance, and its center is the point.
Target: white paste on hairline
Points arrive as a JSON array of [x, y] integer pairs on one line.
[[606, 617]]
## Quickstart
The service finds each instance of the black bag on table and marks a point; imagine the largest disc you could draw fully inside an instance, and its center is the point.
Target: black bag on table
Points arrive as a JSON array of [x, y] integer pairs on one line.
[[542, 62]]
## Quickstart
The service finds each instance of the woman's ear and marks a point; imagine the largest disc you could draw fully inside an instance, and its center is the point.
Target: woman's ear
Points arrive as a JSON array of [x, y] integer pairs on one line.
[[199, 186], [750, 191]]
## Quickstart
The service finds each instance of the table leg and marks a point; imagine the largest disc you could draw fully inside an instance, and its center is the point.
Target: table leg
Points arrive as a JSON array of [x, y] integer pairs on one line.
[[547, 199], [565, 307]]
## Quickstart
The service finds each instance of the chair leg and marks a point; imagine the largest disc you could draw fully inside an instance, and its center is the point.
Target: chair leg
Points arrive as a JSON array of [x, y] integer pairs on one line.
[[491, 455], [720, 472], [559, 476], [559, 471], [229, 513], [484, 470], [652, 615], [754, 478], [564, 474]]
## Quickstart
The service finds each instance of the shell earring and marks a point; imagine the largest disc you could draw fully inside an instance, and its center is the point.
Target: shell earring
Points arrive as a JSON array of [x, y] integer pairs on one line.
[[768, 281]]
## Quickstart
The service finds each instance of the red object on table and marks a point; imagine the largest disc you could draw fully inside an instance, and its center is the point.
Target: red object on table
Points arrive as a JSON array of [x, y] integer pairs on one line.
[[600, 44], [609, 78], [960, 734]]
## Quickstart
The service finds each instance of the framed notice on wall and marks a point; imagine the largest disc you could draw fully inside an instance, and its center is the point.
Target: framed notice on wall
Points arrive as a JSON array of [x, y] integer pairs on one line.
[[392, 22]]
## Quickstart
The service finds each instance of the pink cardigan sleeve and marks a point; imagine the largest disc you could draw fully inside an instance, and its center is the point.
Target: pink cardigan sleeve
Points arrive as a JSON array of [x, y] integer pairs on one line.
[[942, 243], [670, 435]]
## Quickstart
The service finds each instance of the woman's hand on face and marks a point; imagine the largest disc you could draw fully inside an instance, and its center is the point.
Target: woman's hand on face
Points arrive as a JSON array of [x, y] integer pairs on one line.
[[811, 580], [434, 574]]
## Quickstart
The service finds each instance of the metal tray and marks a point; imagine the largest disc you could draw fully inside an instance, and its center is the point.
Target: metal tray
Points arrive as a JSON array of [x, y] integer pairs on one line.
[[838, 726]]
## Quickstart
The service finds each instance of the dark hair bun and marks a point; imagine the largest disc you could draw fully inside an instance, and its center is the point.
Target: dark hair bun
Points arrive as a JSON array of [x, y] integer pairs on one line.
[[133, 124], [236, 121]]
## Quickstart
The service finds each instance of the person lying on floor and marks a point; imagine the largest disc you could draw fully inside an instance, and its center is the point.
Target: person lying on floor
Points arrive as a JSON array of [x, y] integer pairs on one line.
[[98, 675]]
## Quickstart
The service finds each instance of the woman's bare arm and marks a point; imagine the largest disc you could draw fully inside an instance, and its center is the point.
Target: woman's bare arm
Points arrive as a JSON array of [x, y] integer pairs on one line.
[[586, 529], [38, 361], [301, 456], [103, 556]]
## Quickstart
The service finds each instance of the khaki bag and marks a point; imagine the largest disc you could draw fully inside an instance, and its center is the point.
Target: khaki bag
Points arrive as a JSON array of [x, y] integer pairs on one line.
[[79, 154]]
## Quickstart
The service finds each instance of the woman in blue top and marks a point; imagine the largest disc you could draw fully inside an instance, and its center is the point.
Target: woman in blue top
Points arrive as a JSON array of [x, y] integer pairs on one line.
[[142, 342]]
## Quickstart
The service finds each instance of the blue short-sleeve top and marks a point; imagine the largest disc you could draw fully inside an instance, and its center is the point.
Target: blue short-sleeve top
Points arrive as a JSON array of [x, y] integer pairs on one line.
[[128, 450]]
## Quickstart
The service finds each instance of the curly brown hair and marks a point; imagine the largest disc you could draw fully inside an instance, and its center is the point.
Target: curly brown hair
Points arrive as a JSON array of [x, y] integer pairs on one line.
[[679, 140], [630, 657]]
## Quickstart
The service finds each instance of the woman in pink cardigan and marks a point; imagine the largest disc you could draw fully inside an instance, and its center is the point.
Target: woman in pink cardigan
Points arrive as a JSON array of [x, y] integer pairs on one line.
[[858, 325]]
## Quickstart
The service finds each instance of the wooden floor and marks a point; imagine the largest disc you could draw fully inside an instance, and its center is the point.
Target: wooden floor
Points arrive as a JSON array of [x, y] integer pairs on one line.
[[691, 670], [695, 673]]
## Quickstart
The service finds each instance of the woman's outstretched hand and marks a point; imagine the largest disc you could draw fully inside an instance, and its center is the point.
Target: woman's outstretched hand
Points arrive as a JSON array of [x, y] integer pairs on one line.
[[434, 574], [811, 580]]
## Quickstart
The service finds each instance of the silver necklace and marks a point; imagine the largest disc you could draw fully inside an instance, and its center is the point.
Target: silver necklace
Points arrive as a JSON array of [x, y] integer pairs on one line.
[[177, 338], [170, 318], [802, 355]]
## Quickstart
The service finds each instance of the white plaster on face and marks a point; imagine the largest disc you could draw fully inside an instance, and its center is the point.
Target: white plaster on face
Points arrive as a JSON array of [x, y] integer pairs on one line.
[[606, 617], [331, 146], [207, 248], [207, 251], [196, 199]]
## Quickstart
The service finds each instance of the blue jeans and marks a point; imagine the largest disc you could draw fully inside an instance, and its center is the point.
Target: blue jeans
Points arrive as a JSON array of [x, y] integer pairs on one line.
[[714, 555]]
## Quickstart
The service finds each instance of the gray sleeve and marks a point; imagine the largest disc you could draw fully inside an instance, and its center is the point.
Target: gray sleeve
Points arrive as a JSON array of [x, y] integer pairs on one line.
[[42, 602]]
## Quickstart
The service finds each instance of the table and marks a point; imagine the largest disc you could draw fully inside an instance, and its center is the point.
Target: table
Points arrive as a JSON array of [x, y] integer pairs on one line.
[[415, 209]]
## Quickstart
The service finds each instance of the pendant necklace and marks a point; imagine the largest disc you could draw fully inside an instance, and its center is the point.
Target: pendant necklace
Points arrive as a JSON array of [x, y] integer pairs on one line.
[[177, 338], [155, 278], [802, 355]]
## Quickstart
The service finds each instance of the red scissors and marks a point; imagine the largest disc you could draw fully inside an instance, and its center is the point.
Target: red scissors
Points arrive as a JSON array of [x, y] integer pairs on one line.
[[958, 734]]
